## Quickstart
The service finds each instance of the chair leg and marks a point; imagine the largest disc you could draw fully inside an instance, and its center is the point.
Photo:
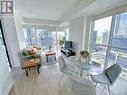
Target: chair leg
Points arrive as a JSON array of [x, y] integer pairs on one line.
[[81, 73], [109, 90], [38, 69], [60, 79], [55, 57], [47, 58]]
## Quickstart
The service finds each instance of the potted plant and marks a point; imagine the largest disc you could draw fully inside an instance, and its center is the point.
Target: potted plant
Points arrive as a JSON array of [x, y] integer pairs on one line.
[[84, 56], [62, 41]]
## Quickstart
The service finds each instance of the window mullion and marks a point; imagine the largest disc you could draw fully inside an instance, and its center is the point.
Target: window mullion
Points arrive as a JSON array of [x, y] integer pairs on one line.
[[91, 36], [109, 42]]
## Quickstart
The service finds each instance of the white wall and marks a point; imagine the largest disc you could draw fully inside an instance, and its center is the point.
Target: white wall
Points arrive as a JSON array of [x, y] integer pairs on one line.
[[9, 29], [19, 30], [80, 33], [6, 81], [76, 33], [87, 32]]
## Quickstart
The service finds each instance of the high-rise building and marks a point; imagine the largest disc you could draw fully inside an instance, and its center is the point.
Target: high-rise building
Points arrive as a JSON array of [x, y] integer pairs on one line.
[[94, 38], [105, 37], [120, 31], [120, 28]]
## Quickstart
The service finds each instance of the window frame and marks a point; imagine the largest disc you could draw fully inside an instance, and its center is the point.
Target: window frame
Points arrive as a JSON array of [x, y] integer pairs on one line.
[[28, 42], [109, 45]]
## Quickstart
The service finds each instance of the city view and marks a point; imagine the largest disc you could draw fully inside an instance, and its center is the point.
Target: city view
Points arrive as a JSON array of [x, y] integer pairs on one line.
[[118, 40], [42, 37]]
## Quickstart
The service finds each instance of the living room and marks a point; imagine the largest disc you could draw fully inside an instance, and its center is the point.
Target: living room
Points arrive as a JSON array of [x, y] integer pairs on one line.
[[97, 27]]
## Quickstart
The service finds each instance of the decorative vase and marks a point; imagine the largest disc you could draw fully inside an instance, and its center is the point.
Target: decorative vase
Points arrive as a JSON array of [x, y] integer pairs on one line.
[[83, 60]]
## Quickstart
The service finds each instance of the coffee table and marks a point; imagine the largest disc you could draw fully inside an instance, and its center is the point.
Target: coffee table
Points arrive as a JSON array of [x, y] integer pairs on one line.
[[50, 53], [30, 64]]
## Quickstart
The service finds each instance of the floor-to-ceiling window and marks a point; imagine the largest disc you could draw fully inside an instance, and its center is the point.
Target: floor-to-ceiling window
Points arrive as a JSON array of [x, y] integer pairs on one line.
[[109, 41], [119, 41], [44, 38], [100, 38]]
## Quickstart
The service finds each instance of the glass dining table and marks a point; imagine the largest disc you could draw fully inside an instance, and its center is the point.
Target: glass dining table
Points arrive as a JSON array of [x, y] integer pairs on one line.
[[84, 68]]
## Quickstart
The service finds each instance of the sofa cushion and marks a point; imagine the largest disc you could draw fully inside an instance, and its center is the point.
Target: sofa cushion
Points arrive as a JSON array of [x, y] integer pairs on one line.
[[37, 47]]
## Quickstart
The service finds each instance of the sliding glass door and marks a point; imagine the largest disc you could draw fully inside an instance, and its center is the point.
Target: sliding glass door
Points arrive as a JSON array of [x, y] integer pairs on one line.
[[109, 41]]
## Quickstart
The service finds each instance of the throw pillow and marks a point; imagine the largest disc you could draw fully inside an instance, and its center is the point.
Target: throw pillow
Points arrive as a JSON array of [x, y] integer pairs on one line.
[[37, 47], [32, 51]]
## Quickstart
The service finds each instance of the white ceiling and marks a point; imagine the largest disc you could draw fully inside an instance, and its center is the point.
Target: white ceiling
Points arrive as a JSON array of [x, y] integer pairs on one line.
[[62, 10], [46, 9], [103, 5], [97, 7]]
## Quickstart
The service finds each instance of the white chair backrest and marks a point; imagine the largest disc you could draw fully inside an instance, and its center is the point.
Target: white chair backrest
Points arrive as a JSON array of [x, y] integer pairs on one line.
[[61, 62], [113, 57]]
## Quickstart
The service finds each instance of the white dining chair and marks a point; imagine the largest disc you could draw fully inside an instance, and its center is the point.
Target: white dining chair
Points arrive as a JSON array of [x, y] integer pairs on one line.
[[66, 69], [108, 76]]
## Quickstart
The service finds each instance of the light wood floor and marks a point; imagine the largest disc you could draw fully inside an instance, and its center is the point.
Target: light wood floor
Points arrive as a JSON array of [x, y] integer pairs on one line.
[[46, 83]]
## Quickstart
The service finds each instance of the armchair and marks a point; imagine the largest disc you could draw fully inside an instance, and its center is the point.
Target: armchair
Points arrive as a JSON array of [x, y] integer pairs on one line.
[[66, 69]]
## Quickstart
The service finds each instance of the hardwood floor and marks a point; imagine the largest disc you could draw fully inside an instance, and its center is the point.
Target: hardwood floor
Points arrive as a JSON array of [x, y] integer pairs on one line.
[[43, 84], [46, 83]]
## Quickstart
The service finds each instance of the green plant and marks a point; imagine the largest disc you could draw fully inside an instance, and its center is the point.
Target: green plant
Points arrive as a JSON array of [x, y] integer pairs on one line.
[[84, 53], [62, 41]]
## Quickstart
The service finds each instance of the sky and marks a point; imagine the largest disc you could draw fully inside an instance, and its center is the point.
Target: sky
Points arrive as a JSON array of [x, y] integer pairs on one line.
[[102, 24]]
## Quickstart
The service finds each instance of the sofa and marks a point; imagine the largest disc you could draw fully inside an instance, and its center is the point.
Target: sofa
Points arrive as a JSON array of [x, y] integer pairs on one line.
[[25, 57]]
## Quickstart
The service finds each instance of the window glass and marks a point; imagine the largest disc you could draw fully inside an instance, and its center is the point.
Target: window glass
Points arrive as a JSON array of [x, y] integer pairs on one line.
[[120, 31], [99, 56], [101, 31], [45, 39], [100, 38], [116, 51]]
